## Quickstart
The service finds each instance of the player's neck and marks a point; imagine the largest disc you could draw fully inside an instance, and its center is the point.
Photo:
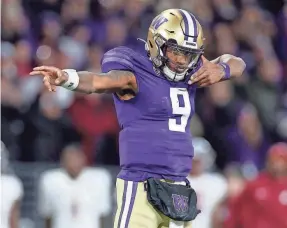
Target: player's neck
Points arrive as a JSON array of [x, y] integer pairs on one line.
[[74, 175], [280, 177]]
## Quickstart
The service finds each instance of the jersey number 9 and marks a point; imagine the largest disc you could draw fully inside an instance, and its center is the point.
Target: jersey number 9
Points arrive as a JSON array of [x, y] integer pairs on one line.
[[183, 111]]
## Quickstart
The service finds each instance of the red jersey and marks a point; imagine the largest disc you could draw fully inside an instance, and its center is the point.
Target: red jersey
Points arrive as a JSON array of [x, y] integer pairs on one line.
[[263, 204]]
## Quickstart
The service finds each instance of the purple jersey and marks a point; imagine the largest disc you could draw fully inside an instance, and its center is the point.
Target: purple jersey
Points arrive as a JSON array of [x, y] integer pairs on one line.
[[155, 137]]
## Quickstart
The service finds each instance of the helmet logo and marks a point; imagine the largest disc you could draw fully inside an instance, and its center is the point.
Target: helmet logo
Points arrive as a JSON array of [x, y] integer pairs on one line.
[[159, 21]]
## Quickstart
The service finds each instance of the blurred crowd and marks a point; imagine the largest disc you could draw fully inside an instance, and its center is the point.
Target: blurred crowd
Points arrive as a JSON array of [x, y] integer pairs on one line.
[[241, 119]]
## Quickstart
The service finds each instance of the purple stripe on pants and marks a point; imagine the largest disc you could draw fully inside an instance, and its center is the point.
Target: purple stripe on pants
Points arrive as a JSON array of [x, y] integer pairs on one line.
[[123, 203], [134, 192]]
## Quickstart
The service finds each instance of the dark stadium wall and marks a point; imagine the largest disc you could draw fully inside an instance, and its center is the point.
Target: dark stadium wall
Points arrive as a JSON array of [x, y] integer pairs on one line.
[[274, 6]]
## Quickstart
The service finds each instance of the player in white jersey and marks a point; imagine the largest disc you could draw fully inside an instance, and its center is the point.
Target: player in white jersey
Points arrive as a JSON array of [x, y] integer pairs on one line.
[[11, 193], [209, 186], [74, 196]]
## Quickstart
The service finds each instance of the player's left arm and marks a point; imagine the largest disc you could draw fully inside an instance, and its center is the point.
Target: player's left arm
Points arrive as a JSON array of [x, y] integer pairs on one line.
[[222, 68], [236, 65]]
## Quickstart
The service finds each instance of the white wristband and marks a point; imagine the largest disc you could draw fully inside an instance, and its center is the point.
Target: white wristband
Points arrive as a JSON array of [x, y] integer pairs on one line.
[[73, 79]]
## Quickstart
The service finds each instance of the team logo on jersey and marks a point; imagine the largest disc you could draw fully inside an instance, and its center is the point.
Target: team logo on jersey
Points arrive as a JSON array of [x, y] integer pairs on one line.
[[180, 202], [159, 21]]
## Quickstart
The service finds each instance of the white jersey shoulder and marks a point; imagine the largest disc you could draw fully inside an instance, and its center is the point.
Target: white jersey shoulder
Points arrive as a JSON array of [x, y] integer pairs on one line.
[[12, 185], [210, 189], [207, 179], [75, 202], [95, 173], [11, 191]]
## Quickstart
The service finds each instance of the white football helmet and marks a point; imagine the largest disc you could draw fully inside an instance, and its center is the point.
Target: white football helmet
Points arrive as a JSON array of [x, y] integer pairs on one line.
[[203, 152]]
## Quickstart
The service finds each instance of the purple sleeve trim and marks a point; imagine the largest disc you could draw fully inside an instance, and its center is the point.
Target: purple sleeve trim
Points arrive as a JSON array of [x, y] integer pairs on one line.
[[119, 60]]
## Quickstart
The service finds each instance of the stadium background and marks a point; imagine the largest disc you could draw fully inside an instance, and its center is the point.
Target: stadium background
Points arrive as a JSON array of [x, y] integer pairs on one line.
[[240, 119]]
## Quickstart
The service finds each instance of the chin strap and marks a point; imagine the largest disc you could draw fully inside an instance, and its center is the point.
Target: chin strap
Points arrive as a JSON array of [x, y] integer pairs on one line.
[[145, 47], [162, 63]]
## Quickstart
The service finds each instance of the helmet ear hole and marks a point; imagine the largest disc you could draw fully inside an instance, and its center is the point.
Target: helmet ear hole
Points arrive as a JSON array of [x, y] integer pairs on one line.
[[172, 41]]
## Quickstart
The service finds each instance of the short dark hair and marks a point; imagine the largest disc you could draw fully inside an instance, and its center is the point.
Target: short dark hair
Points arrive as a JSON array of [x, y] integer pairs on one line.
[[75, 147]]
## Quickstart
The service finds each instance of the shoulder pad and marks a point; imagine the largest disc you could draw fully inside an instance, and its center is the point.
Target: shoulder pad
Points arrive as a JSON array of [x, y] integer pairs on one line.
[[119, 58]]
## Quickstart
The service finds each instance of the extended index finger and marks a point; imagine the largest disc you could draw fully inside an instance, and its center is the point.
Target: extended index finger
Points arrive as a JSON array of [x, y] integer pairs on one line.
[[48, 69], [37, 72]]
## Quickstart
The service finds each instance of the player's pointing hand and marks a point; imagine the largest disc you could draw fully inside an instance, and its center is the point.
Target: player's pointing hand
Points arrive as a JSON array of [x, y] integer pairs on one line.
[[52, 76], [208, 74]]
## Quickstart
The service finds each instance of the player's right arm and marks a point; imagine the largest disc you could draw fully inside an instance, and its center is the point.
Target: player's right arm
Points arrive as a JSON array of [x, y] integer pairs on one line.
[[48, 222], [15, 214], [87, 82]]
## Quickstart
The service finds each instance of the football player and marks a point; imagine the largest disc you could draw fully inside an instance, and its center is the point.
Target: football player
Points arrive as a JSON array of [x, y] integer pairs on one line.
[[264, 199], [154, 96], [201, 177], [11, 192]]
